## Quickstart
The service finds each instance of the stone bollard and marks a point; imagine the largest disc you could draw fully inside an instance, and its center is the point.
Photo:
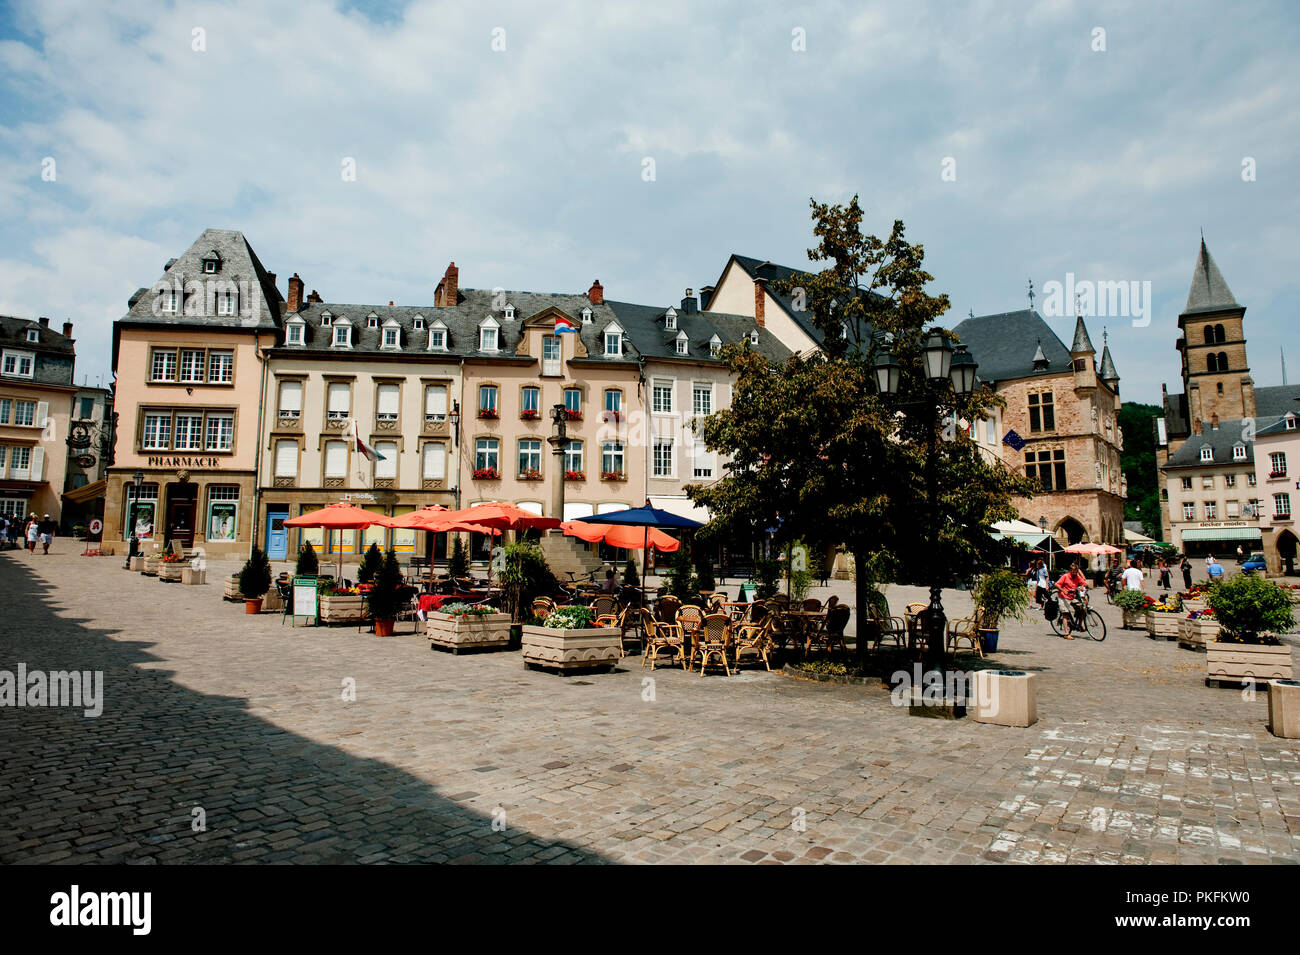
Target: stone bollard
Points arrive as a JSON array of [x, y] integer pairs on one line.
[[1284, 708]]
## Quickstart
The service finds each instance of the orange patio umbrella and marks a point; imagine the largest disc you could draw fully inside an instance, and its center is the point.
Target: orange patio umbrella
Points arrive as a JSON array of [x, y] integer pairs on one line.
[[337, 517], [626, 536], [504, 516]]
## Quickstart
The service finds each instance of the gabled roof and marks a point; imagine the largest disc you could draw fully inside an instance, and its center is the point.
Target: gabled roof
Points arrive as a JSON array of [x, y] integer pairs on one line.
[[773, 273], [643, 326], [1221, 441], [1276, 400], [1209, 292], [1005, 345]]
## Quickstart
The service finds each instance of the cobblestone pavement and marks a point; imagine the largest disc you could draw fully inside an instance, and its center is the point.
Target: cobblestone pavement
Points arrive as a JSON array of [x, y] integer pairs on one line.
[[475, 759]]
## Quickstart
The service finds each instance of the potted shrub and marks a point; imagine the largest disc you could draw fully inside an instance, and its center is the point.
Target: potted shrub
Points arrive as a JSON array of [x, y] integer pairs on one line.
[[370, 565], [525, 576], [1134, 604], [255, 580], [458, 564], [460, 626], [386, 595], [569, 640], [1198, 628], [1250, 611], [308, 565], [999, 595]]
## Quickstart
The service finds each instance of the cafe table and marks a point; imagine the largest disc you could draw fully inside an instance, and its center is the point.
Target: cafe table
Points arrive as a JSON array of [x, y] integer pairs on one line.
[[802, 625]]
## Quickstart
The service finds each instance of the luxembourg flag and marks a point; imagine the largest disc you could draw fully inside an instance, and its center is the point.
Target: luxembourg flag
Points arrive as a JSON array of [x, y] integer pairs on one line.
[[360, 447], [563, 324]]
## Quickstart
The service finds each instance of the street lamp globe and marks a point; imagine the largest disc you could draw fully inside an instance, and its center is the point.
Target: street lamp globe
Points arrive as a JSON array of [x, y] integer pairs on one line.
[[1042, 523], [963, 371], [887, 371], [938, 356]]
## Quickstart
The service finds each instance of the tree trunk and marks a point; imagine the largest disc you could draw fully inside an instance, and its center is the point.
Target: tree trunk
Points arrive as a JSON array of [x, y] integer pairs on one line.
[[862, 607]]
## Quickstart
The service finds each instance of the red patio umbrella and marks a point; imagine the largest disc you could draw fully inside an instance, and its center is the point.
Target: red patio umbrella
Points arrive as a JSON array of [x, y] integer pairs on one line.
[[337, 517], [625, 536]]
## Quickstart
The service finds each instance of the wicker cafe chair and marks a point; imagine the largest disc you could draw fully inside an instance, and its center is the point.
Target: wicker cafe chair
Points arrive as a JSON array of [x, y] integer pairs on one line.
[[662, 637], [408, 611], [889, 628], [716, 601], [753, 638], [666, 609], [812, 603], [605, 609], [542, 607], [691, 619], [966, 630], [837, 619], [715, 641]]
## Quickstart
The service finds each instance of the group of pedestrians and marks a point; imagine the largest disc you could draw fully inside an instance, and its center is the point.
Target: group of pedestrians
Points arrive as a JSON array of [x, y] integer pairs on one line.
[[31, 530]]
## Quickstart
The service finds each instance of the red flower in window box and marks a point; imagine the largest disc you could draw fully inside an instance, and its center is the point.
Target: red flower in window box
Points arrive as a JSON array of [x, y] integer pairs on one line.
[[490, 413], [573, 415], [528, 414], [532, 474], [486, 474], [1276, 474], [614, 416], [613, 476], [575, 475]]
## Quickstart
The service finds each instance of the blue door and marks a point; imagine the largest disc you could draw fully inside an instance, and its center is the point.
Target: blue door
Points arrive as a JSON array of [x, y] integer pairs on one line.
[[277, 535]]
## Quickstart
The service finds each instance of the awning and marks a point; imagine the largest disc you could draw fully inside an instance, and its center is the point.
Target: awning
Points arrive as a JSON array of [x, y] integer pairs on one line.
[[1133, 537], [1029, 540], [87, 492], [1222, 534]]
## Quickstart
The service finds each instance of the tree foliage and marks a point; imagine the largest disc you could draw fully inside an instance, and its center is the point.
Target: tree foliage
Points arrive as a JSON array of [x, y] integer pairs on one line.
[[1138, 461]]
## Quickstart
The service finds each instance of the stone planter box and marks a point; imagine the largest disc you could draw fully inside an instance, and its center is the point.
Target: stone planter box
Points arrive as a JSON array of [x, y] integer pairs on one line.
[[1284, 708], [171, 572], [1240, 661], [1134, 619], [571, 649], [150, 568], [1195, 634], [1191, 606], [230, 589], [468, 632], [341, 608], [1161, 624], [191, 576], [137, 564], [1004, 697]]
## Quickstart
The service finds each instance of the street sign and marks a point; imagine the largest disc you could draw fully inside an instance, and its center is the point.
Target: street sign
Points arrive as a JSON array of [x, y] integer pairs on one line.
[[96, 526]]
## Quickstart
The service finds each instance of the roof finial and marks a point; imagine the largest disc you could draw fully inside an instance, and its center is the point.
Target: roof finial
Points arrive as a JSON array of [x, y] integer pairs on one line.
[[1078, 307], [1105, 336], [1031, 295], [972, 313]]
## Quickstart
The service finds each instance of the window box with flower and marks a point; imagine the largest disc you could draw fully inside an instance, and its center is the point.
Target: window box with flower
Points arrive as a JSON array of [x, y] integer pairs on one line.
[[575, 475], [489, 413], [614, 416], [573, 414], [613, 475], [487, 474], [529, 414], [530, 474]]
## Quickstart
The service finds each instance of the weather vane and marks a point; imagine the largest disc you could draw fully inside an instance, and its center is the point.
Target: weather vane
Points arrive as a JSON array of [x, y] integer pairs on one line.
[[1031, 295]]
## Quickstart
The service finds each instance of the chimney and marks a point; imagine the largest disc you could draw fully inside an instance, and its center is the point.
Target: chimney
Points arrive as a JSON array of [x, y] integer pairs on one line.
[[596, 293], [448, 291], [706, 295], [295, 293], [760, 292], [44, 322], [270, 277], [67, 329], [689, 305], [390, 302], [314, 296], [1214, 419], [1196, 427]]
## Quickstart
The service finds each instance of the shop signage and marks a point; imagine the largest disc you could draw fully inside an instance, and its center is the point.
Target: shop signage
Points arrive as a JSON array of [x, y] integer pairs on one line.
[[363, 496], [199, 463], [1218, 524]]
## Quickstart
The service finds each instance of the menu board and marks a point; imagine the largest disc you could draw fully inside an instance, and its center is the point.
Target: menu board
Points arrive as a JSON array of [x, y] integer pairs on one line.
[[303, 597]]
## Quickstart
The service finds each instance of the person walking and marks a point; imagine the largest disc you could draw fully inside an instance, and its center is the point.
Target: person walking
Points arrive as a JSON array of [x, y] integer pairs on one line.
[[1164, 574], [30, 532], [46, 529], [1043, 579], [1186, 567]]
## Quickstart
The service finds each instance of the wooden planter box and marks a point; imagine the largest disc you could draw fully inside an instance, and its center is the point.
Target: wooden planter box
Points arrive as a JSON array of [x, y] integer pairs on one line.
[[1161, 624], [1190, 606], [1135, 619], [341, 608], [151, 566], [170, 572], [230, 589], [1240, 661], [571, 649], [271, 600], [191, 576], [1195, 634], [468, 632]]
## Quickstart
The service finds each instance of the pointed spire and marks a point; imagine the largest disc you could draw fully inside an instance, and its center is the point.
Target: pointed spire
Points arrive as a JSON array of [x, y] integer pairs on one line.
[[1108, 372], [1040, 360], [1082, 343], [1208, 291]]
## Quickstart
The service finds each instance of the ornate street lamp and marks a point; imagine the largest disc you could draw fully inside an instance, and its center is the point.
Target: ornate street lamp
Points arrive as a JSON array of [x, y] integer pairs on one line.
[[454, 418], [938, 356], [133, 551], [887, 371], [962, 371]]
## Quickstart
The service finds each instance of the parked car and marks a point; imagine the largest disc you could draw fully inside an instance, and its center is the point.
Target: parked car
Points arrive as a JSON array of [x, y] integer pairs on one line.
[[1254, 562]]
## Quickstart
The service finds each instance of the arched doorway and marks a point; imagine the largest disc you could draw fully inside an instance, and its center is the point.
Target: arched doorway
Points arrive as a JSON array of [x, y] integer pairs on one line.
[[1286, 550], [1072, 530]]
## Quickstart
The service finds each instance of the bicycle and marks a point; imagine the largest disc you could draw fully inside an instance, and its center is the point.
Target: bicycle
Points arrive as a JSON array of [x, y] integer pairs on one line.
[[1084, 619]]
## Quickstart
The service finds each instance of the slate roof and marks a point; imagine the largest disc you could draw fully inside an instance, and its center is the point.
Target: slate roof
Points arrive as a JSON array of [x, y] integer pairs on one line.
[[1108, 372], [54, 356], [1222, 440], [1209, 292], [239, 263], [773, 273], [1276, 400], [1279, 426], [1082, 342], [1176, 416], [1005, 344], [644, 325]]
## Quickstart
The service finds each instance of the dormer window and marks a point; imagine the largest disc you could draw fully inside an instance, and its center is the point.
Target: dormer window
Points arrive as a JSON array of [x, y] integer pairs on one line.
[[417, 323], [1207, 455], [613, 342], [715, 346], [670, 320], [488, 335], [1239, 452], [33, 335], [226, 302], [586, 316], [1290, 422], [211, 263], [169, 301], [682, 343], [326, 319], [293, 333], [753, 337], [437, 336], [343, 335], [510, 312], [392, 336], [372, 320]]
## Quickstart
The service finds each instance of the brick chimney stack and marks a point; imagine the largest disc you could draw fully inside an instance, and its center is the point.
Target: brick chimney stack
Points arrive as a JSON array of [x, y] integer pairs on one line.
[[67, 329], [295, 293], [596, 293], [448, 291], [314, 297], [760, 295], [44, 321]]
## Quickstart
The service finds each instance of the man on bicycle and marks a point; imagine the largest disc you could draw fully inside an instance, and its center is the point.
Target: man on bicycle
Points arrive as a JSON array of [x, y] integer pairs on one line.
[[1113, 577], [1072, 587]]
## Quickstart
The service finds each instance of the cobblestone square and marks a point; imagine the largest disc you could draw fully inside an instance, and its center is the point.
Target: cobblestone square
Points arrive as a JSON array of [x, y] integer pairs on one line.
[[240, 722]]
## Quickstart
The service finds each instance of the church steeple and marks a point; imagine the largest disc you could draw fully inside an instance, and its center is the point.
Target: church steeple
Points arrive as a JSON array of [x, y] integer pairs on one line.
[[1216, 374], [1208, 292]]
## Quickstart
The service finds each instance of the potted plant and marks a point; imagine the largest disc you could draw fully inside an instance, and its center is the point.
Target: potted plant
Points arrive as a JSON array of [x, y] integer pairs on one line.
[[524, 577], [458, 564], [998, 595], [386, 595], [459, 626], [170, 565], [575, 475], [1134, 604], [370, 565], [339, 604], [1163, 617], [1250, 611], [308, 565], [1198, 628], [486, 474], [255, 580], [569, 640]]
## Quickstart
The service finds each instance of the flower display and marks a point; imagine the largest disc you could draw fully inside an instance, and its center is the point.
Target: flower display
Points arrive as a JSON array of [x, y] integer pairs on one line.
[[575, 475], [489, 413], [611, 475], [529, 414], [530, 474], [573, 414], [486, 474], [465, 610]]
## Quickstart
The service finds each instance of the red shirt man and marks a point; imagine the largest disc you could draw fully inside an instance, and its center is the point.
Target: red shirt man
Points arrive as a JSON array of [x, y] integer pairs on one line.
[[1070, 582]]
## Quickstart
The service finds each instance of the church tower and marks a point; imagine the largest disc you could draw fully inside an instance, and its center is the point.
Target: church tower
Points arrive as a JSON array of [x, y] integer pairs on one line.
[[1216, 376]]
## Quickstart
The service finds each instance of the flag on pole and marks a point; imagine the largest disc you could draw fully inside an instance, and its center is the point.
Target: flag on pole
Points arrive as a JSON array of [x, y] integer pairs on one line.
[[1014, 440], [563, 324], [363, 451]]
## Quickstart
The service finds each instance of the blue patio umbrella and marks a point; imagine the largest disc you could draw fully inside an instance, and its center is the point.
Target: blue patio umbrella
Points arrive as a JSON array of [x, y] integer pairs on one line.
[[643, 516]]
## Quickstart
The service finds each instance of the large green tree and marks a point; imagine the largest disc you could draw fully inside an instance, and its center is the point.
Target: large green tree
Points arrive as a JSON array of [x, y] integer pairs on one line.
[[1138, 462], [819, 454]]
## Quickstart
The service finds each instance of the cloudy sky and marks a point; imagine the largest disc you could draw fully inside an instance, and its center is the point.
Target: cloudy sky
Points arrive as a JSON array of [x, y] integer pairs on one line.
[[514, 139]]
